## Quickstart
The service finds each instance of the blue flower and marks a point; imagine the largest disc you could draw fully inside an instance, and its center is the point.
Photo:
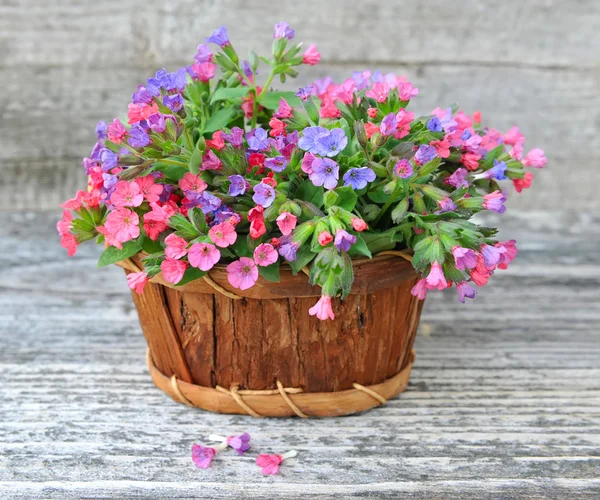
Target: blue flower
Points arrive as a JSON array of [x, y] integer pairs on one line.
[[344, 240], [141, 96], [308, 141], [237, 186], [108, 159], [465, 135], [101, 128], [496, 172], [358, 178], [207, 202], [257, 139], [138, 137], [332, 143], [425, 154], [287, 248], [305, 92], [325, 172], [435, 125], [174, 102], [219, 37]]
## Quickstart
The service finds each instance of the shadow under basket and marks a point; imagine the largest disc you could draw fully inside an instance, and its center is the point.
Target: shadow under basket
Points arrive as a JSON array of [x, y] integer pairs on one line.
[[258, 352]]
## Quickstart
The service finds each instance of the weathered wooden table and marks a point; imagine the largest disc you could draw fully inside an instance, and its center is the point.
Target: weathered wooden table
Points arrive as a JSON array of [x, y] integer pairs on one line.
[[504, 400]]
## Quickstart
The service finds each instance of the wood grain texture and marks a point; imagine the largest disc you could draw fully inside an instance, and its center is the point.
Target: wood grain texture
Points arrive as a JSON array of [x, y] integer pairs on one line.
[[74, 63], [504, 399]]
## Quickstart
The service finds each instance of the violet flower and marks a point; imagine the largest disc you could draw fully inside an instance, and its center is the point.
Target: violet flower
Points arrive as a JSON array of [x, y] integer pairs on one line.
[[308, 141], [141, 96], [283, 30], [343, 240], [219, 37], [173, 102], [435, 125], [237, 186], [276, 164], [332, 143], [235, 138], [258, 139], [325, 172], [203, 54], [358, 178], [240, 444], [108, 160], [305, 92], [263, 194], [138, 137], [425, 154], [101, 128]]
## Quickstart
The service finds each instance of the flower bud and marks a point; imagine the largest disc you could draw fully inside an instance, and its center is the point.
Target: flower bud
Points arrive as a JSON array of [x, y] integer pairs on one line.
[[361, 135], [303, 232], [370, 212], [359, 224], [291, 207]]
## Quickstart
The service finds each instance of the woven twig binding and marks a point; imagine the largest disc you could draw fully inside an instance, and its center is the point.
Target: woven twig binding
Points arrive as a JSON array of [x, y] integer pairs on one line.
[[279, 402]]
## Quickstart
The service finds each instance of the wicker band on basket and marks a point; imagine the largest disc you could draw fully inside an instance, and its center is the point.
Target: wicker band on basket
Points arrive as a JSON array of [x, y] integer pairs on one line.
[[278, 402]]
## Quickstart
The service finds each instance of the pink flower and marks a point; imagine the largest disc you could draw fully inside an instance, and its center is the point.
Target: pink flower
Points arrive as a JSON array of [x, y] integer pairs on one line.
[[284, 110], [127, 194], [379, 91], [516, 153], [193, 183], [202, 455], [155, 221], [286, 223], [372, 112], [69, 243], [269, 464], [359, 224], [481, 274], [465, 258], [494, 201], [509, 254], [173, 270], [257, 222], [436, 278], [470, 160], [325, 238], [139, 112], [116, 131], [242, 273], [123, 224], [307, 161], [371, 129], [137, 281], [149, 189], [203, 256], [217, 142], [535, 158], [109, 238], [63, 226], [406, 91], [311, 55], [465, 291], [442, 148], [176, 246], [204, 71], [523, 183], [420, 289], [491, 255], [322, 309], [223, 234], [265, 254], [477, 117], [210, 161], [513, 136]]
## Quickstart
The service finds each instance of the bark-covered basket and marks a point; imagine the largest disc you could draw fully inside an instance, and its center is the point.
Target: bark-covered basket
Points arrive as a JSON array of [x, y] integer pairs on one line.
[[259, 352]]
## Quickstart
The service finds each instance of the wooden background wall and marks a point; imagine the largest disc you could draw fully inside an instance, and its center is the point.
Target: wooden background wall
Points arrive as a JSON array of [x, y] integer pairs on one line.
[[65, 64]]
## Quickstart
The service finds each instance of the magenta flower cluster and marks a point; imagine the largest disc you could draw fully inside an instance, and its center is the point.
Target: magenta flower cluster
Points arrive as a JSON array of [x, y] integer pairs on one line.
[[213, 168]]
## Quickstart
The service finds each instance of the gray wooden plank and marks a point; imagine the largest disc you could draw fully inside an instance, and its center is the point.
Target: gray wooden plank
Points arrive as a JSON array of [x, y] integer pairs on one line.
[[504, 400]]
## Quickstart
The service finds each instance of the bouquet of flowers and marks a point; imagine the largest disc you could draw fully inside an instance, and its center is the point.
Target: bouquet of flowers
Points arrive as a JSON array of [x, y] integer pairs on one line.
[[214, 168]]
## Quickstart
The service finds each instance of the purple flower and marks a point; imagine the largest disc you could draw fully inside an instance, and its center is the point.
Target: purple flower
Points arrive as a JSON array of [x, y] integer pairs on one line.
[[237, 186], [247, 69], [332, 143], [219, 37], [389, 125], [109, 183], [207, 202], [320, 86], [203, 54], [358, 178], [308, 141], [305, 92], [448, 123], [97, 151], [465, 291], [141, 96], [446, 205], [276, 164], [202, 456], [235, 138], [156, 122], [287, 248], [496, 172], [464, 258], [362, 79], [466, 135], [292, 138], [458, 178], [325, 172], [424, 154], [257, 139], [159, 81], [138, 137], [283, 30], [263, 194], [344, 240], [166, 192], [435, 125], [491, 255], [101, 128], [240, 444], [222, 214], [108, 160], [403, 169], [173, 102]]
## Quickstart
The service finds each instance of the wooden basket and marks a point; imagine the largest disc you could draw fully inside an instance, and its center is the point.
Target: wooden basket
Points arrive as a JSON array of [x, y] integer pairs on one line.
[[259, 352]]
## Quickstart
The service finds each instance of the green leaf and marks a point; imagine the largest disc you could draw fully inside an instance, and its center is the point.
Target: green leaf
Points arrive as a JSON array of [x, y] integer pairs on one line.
[[198, 220], [360, 247], [310, 193], [113, 254], [219, 120], [430, 167], [270, 273], [241, 246], [184, 227], [346, 198], [303, 257], [378, 242], [270, 100], [225, 93], [191, 274], [150, 246], [195, 160]]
